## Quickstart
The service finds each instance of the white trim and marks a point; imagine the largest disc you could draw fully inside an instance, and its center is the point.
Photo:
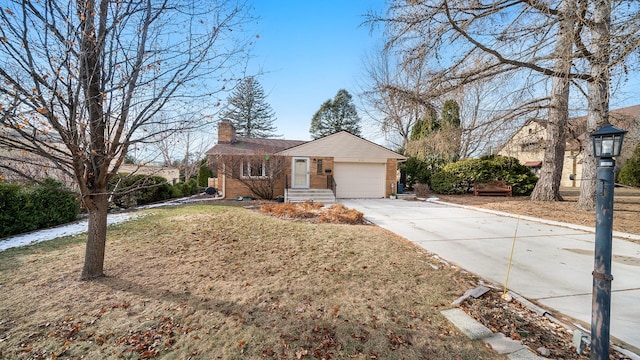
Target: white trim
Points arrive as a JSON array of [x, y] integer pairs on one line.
[[293, 173], [263, 172]]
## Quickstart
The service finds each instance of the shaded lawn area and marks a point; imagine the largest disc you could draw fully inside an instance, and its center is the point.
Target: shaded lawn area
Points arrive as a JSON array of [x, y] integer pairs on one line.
[[207, 282]]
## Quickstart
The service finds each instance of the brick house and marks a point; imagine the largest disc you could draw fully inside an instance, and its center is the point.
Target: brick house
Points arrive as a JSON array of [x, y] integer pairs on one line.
[[339, 165]]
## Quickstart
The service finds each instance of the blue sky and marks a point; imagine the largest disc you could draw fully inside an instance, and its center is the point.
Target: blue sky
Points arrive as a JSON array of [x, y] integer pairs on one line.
[[310, 49]]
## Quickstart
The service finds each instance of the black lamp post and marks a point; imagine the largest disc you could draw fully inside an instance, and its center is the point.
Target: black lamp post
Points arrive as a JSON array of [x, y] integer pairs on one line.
[[607, 143]]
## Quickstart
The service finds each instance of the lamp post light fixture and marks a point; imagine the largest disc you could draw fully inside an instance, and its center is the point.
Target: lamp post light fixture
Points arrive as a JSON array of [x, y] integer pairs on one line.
[[607, 144]]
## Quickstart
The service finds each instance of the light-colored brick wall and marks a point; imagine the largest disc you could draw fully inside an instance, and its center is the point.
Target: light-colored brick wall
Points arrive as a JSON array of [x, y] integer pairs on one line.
[[319, 180], [234, 188], [391, 177], [572, 165]]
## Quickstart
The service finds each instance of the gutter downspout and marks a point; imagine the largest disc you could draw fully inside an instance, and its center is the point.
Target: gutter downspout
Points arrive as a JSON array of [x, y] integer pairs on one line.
[[224, 183]]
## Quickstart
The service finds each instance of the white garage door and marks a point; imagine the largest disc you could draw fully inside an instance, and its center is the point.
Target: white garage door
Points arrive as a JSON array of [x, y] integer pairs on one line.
[[359, 180]]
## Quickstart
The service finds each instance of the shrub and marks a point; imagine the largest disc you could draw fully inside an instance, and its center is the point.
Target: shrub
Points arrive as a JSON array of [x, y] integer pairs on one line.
[[12, 201], [447, 183], [422, 190], [630, 172], [54, 203], [419, 171], [136, 190], [303, 210], [459, 177], [187, 188], [26, 208], [340, 214], [204, 173]]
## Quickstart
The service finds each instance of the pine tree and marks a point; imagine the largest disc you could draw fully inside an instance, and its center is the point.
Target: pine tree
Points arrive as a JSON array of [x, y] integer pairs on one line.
[[334, 116], [630, 172], [451, 114], [249, 112]]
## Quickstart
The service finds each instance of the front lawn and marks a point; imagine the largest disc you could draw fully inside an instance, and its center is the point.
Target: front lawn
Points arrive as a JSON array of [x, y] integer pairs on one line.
[[207, 282]]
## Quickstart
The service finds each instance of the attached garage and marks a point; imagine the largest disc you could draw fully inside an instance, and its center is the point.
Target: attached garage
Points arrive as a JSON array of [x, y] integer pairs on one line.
[[361, 169], [359, 180]]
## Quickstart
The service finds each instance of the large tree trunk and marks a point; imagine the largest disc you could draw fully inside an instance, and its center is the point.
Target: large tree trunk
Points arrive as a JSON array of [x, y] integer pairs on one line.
[[97, 164], [96, 237], [598, 87], [548, 186]]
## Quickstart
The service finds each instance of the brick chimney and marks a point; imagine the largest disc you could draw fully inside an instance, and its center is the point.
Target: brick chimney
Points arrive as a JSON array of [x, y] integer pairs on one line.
[[226, 132]]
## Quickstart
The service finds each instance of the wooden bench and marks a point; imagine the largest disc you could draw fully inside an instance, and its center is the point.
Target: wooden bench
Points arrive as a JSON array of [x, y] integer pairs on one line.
[[492, 188]]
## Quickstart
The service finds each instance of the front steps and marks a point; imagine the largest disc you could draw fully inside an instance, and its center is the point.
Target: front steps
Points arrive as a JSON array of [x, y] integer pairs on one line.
[[324, 196]]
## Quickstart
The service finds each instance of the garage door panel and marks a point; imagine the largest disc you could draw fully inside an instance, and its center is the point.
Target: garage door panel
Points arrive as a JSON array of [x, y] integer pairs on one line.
[[360, 180]]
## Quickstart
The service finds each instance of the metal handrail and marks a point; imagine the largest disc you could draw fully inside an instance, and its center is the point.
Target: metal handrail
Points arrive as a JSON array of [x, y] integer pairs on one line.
[[331, 184], [286, 187]]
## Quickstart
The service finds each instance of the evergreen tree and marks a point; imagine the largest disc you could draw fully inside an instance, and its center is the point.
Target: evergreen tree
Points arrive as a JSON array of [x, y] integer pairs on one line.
[[630, 172], [249, 112], [451, 114], [204, 173], [425, 125], [334, 116]]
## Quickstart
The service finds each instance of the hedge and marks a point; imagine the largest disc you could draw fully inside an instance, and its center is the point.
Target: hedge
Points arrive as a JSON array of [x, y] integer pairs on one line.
[[459, 177], [25, 208], [135, 190]]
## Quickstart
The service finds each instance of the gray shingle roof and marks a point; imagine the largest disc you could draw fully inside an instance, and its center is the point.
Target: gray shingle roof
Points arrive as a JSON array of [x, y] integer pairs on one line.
[[247, 146]]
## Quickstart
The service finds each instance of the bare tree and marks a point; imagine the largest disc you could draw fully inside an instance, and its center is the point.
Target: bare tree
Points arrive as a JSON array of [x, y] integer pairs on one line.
[[548, 186], [611, 35], [84, 81], [387, 80], [511, 35], [491, 112], [184, 150]]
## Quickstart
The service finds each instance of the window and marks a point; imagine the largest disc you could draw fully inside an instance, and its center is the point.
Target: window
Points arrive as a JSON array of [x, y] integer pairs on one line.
[[253, 168], [319, 167]]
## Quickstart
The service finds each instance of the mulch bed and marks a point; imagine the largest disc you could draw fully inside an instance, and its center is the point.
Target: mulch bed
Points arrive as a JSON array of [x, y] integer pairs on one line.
[[521, 323]]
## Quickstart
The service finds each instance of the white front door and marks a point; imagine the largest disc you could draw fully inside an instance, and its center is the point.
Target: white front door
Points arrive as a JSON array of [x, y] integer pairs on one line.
[[300, 173]]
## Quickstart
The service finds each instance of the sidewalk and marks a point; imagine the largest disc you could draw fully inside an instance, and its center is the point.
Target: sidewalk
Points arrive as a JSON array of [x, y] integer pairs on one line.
[[551, 264]]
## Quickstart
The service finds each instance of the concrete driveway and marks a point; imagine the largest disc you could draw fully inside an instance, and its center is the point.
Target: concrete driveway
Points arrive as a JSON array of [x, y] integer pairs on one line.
[[551, 264]]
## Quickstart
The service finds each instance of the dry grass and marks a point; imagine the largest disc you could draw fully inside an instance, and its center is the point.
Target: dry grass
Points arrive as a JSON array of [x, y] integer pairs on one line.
[[209, 282], [625, 216]]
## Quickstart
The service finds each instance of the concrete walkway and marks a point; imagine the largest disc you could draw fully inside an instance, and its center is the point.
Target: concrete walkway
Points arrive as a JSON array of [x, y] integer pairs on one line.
[[551, 264]]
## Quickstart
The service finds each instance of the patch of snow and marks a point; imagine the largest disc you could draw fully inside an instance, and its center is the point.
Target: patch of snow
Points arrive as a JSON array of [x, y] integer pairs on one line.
[[75, 228], [80, 227]]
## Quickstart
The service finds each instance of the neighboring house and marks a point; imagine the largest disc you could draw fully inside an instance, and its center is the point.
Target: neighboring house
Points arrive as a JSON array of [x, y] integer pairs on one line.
[[171, 174], [341, 164], [528, 143], [38, 167], [28, 164]]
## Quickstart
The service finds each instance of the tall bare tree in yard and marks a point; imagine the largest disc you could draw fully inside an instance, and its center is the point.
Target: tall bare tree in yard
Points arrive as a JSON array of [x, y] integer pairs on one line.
[[517, 43], [548, 186], [611, 35], [84, 81], [510, 36], [392, 110]]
